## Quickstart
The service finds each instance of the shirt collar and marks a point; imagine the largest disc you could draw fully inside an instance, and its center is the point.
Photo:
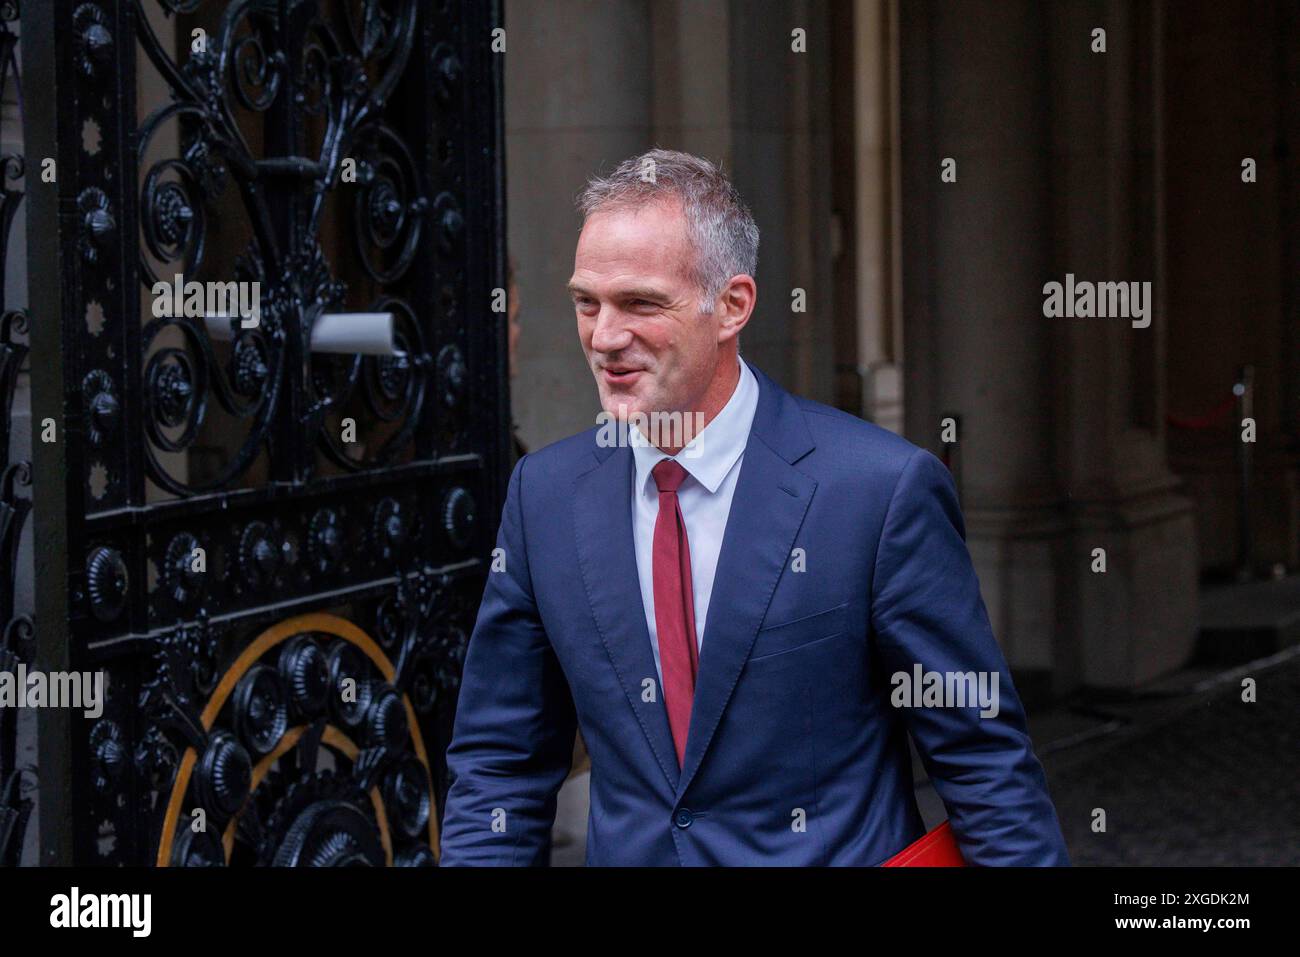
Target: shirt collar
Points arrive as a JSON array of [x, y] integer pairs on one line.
[[709, 456]]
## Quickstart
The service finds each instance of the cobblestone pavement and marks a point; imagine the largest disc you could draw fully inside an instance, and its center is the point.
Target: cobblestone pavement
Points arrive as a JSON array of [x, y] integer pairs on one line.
[[1210, 780]]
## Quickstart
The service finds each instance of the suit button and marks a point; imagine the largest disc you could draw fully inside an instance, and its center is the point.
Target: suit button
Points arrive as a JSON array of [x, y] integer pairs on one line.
[[683, 818]]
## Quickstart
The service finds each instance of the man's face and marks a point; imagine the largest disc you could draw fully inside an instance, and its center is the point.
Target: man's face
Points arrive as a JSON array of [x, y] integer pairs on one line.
[[649, 347]]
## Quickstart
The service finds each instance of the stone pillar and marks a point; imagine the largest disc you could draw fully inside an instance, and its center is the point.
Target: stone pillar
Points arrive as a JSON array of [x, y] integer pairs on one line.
[[590, 84], [1060, 442], [1139, 618], [781, 146], [976, 90], [875, 131], [578, 96]]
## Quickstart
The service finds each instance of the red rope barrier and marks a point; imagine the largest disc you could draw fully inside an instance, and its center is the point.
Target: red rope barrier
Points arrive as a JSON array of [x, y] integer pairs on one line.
[[1212, 418]]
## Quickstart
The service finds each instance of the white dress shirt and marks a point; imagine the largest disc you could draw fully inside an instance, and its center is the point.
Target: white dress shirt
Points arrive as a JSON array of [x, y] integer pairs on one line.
[[712, 459]]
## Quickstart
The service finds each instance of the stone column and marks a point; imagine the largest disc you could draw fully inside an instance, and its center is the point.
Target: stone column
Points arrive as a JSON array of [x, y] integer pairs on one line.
[[589, 84], [781, 146], [976, 90], [1139, 619], [578, 97], [1061, 445]]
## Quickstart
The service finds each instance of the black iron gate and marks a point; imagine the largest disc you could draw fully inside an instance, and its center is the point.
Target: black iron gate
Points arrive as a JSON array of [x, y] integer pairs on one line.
[[269, 535]]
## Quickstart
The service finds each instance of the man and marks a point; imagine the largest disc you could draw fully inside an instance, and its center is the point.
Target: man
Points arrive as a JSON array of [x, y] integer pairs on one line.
[[725, 615]]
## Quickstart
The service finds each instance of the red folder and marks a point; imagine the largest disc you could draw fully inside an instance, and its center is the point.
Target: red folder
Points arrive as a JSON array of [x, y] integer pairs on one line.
[[936, 849]]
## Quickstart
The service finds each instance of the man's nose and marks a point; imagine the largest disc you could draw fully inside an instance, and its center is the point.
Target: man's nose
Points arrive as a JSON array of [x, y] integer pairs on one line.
[[611, 332]]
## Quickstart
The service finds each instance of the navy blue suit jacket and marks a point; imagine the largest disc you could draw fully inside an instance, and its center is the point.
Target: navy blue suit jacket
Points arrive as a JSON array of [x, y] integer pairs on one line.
[[795, 754]]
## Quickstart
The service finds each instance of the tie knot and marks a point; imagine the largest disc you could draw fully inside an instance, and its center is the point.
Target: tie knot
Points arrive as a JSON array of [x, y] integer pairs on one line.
[[668, 475]]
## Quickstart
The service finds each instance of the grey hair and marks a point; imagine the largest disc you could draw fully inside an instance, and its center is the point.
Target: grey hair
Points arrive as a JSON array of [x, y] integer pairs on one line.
[[718, 224]]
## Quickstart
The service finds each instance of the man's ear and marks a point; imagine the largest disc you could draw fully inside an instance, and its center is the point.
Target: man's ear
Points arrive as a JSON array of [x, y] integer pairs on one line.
[[735, 306]]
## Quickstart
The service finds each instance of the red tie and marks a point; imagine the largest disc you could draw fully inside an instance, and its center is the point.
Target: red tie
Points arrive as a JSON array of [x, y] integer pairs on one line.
[[674, 604]]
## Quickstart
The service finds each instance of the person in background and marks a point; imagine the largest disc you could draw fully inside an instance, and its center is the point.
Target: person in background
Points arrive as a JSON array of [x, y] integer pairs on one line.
[[512, 344]]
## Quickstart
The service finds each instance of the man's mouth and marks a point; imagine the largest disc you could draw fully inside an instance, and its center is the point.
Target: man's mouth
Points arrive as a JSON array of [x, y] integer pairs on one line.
[[621, 375]]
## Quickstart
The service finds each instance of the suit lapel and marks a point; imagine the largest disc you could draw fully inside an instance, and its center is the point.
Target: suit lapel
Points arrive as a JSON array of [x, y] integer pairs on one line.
[[602, 514], [766, 512]]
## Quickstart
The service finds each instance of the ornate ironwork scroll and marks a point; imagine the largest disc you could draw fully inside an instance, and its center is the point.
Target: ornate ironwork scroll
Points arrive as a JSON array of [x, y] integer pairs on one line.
[[255, 527], [15, 504]]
